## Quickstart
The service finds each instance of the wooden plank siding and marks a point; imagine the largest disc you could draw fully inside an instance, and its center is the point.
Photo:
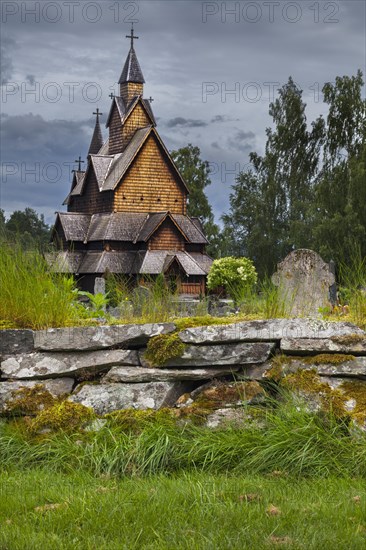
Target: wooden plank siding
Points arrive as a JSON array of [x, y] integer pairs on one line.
[[137, 119], [167, 237], [150, 184], [130, 90], [92, 200]]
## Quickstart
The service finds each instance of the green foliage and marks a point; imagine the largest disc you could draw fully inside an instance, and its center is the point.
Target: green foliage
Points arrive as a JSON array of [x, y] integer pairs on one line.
[[236, 275], [29, 401], [31, 296], [27, 228], [308, 190], [196, 173], [97, 301], [163, 347]]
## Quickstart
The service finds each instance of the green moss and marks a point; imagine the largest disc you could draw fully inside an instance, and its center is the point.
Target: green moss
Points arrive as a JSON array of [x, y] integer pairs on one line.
[[276, 370], [327, 358], [30, 401], [310, 383], [356, 389], [163, 347], [349, 339], [65, 416]]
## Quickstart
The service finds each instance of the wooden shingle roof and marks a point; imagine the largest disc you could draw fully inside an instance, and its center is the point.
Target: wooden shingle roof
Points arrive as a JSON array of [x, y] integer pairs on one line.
[[131, 71], [74, 225]]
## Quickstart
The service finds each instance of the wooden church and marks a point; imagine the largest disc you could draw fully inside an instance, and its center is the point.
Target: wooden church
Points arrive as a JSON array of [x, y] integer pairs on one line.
[[127, 211]]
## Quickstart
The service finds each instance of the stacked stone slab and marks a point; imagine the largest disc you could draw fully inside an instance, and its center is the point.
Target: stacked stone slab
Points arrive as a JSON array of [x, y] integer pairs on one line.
[[105, 367]]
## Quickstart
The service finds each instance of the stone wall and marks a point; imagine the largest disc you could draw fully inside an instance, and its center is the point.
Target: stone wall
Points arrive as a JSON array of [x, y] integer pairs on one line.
[[224, 366]]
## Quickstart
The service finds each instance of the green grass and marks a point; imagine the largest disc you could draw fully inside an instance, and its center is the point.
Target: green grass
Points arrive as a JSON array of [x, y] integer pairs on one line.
[[288, 438], [31, 297], [41, 509]]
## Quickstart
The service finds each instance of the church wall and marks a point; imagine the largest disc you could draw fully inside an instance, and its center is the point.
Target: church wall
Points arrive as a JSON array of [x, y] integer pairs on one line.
[[91, 201], [137, 119], [130, 90], [167, 237], [150, 185], [115, 133]]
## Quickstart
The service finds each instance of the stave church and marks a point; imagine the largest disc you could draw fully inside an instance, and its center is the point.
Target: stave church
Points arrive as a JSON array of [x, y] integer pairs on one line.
[[127, 211]]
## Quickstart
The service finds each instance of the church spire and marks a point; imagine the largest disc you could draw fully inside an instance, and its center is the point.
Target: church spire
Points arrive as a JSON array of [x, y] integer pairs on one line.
[[97, 139], [131, 80]]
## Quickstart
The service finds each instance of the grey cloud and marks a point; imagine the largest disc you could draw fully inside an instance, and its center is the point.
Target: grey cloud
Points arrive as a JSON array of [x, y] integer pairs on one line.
[[215, 145], [242, 141], [185, 123], [30, 78], [223, 118]]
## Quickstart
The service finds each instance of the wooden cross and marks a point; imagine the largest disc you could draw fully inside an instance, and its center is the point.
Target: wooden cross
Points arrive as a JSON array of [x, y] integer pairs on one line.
[[98, 114], [150, 99], [132, 36], [80, 162]]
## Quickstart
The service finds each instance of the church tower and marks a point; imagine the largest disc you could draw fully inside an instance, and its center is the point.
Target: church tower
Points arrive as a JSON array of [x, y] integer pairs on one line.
[[127, 211]]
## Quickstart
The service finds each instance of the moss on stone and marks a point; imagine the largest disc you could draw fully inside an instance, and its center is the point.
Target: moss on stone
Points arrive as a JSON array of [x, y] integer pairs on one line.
[[163, 347], [327, 358], [30, 401], [309, 383], [356, 389], [348, 339], [65, 416]]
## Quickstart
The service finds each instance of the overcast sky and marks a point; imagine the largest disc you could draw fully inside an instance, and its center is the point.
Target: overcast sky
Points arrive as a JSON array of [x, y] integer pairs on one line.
[[211, 67]]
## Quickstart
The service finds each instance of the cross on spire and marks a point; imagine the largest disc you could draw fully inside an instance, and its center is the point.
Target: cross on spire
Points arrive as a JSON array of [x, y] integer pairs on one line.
[[132, 36], [151, 99], [80, 162], [97, 113], [111, 95]]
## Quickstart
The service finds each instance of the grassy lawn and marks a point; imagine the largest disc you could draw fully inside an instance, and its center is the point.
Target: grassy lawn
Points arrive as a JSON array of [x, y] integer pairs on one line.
[[43, 509]]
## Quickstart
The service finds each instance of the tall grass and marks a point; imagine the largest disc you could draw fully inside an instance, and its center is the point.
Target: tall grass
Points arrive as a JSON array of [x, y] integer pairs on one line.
[[30, 296], [353, 291], [292, 440]]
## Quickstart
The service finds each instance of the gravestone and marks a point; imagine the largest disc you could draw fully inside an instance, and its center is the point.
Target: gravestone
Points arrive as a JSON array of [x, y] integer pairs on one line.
[[303, 280], [99, 285]]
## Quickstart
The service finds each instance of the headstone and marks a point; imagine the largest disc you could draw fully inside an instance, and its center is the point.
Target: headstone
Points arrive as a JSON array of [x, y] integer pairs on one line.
[[99, 285], [303, 281]]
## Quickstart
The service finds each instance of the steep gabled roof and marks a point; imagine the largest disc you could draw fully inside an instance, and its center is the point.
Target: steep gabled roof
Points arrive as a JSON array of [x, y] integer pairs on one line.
[[101, 165], [131, 71], [124, 110], [76, 185], [74, 225], [122, 161], [152, 222], [97, 139], [189, 228]]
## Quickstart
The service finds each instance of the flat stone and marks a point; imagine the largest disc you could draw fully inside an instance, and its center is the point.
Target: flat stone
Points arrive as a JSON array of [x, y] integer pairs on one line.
[[100, 337], [207, 356], [141, 374], [105, 398], [51, 365], [16, 341], [55, 387], [310, 346], [267, 331]]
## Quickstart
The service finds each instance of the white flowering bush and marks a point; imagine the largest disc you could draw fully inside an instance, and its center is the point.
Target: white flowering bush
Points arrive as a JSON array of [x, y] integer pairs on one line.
[[237, 276]]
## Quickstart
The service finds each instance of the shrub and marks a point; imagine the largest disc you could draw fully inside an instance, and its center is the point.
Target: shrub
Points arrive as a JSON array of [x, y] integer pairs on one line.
[[236, 275]]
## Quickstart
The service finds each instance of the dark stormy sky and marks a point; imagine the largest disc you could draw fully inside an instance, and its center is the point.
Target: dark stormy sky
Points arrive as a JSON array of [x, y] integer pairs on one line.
[[211, 67]]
